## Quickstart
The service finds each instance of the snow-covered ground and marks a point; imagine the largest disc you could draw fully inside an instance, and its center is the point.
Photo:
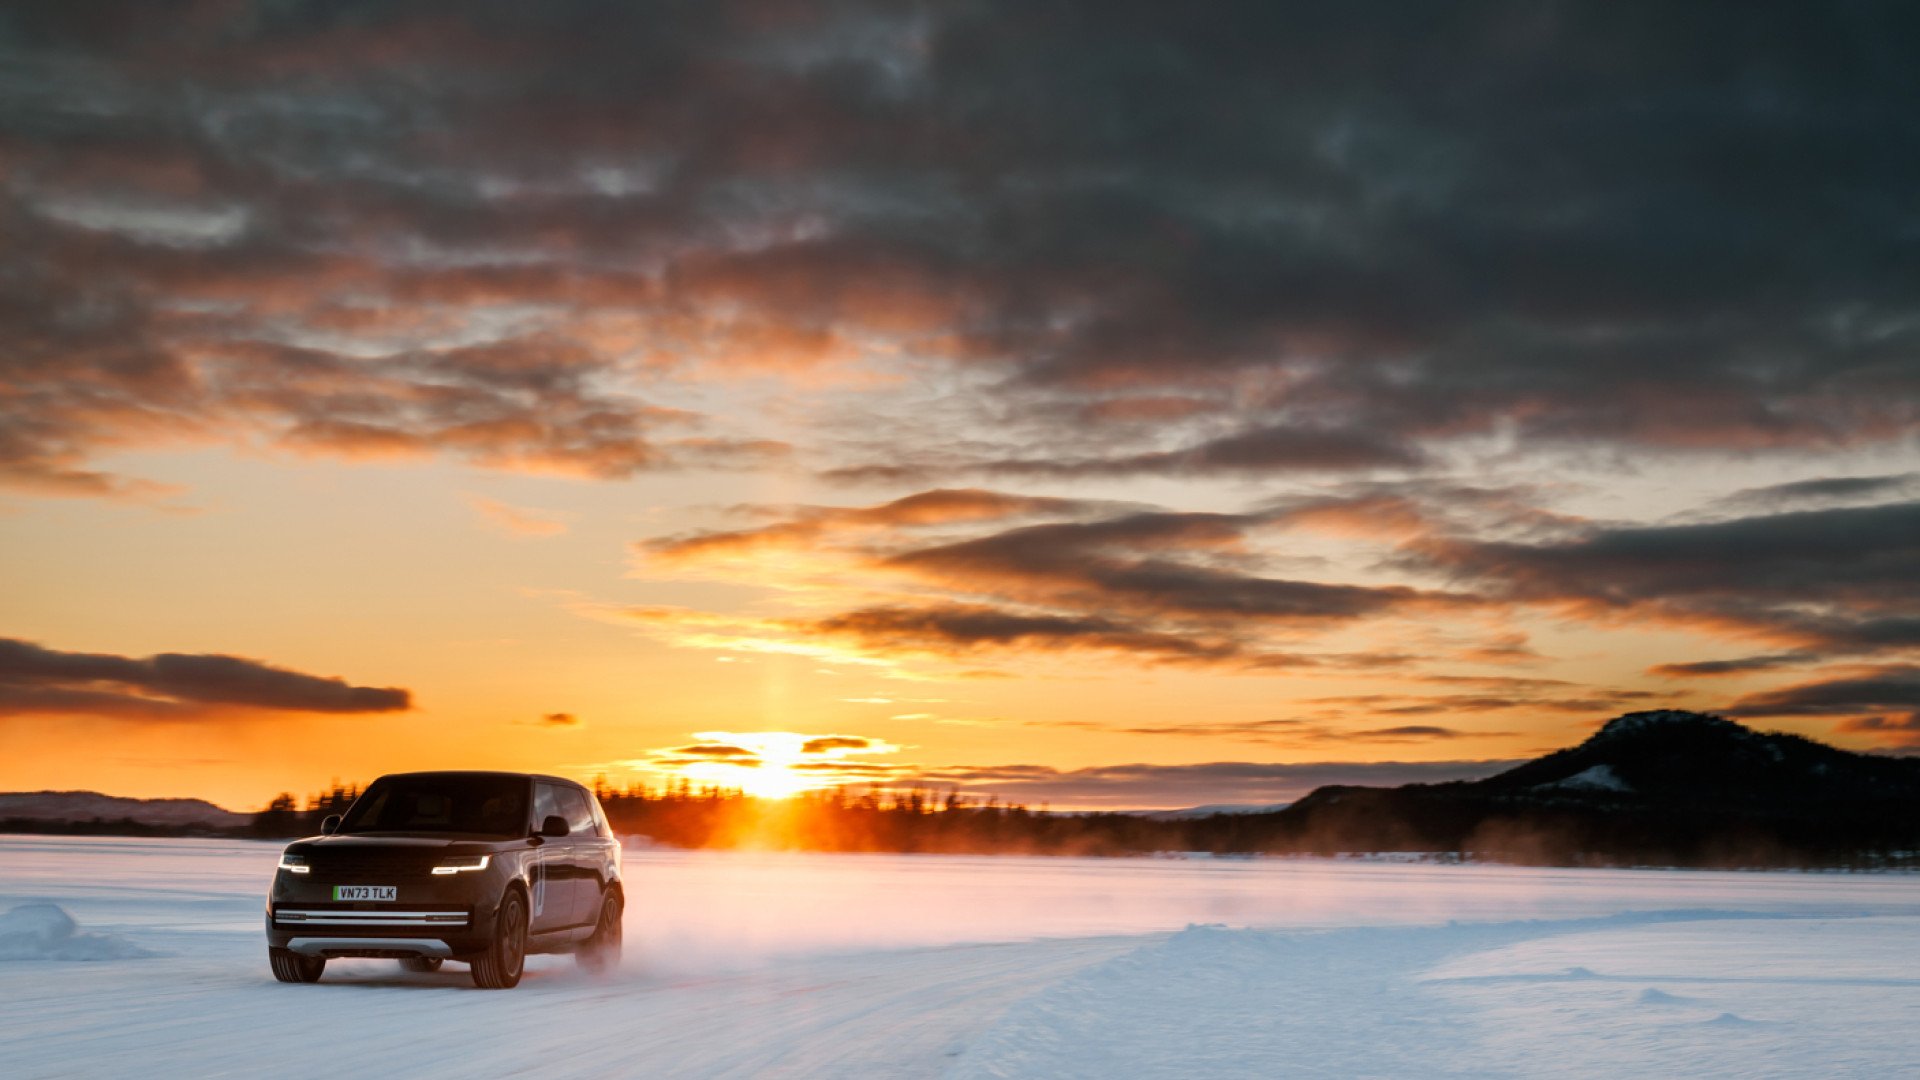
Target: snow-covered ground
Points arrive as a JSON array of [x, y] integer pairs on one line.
[[883, 966]]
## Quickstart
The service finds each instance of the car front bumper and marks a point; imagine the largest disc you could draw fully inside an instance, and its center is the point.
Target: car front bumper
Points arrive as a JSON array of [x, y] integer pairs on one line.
[[432, 917]]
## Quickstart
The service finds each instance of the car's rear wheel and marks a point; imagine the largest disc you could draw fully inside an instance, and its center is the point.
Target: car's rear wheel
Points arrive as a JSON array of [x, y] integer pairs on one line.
[[291, 967], [499, 967], [600, 953], [420, 963]]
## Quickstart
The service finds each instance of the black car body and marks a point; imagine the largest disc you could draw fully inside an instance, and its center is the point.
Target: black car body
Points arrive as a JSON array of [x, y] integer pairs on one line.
[[478, 867]]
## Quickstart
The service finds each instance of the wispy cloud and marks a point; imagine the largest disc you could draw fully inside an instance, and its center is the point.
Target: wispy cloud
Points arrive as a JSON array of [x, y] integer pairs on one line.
[[518, 520]]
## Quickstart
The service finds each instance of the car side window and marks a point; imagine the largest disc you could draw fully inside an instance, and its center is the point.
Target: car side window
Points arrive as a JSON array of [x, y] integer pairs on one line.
[[573, 807], [546, 804]]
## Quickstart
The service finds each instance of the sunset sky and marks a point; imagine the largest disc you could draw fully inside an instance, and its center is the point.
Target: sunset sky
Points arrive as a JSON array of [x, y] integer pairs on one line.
[[1099, 404]]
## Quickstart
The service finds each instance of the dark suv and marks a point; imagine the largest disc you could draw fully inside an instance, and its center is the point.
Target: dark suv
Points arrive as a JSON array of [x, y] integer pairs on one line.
[[479, 867]]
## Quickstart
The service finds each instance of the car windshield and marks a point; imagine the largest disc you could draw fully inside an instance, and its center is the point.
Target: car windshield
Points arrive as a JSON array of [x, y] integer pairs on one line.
[[481, 805]]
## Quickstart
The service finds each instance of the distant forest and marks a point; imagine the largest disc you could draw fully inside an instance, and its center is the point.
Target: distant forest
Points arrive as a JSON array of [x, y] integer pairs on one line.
[[840, 819], [1334, 821], [1707, 793]]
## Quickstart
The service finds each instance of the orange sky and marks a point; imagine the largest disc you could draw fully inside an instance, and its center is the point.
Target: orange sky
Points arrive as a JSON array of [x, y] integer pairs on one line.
[[947, 398], [569, 649]]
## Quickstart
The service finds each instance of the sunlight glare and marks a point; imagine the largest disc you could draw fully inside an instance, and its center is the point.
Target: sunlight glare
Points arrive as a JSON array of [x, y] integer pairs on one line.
[[781, 764]]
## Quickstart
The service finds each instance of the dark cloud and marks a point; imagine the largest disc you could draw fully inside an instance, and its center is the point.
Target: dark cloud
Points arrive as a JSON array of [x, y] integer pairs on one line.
[[1005, 572], [1510, 694], [1304, 732], [1890, 687], [804, 525], [827, 744], [1159, 563], [559, 719], [715, 751], [1200, 587], [852, 771], [1824, 491], [1413, 732], [955, 628], [1340, 239], [1273, 449], [1843, 579], [1745, 665], [1584, 700], [1125, 787], [35, 680], [1880, 701], [1909, 723]]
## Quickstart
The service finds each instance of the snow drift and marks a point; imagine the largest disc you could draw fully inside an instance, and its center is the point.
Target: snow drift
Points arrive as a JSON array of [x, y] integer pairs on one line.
[[47, 932]]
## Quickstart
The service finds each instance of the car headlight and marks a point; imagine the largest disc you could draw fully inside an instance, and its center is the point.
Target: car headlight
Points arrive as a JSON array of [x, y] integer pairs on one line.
[[295, 863], [461, 865]]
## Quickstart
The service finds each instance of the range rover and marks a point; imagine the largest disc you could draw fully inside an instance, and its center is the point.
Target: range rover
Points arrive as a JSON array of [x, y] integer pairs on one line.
[[481, 868]]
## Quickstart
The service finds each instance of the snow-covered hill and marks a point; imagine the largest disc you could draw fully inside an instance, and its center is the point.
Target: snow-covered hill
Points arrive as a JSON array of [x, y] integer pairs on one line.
[[1664, 787], [1675, 755]]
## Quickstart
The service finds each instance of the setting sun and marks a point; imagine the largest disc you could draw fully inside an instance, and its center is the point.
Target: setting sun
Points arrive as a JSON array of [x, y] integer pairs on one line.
[[769, 764]]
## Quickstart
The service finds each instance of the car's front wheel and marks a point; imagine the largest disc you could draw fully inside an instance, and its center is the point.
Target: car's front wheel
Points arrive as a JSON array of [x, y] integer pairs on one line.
[[291, 967], [600, 953], [499, 967], [420, 963]]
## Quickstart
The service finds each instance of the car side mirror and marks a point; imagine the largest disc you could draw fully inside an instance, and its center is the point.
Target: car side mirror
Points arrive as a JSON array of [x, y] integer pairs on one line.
[[555, 826], [330, 824]]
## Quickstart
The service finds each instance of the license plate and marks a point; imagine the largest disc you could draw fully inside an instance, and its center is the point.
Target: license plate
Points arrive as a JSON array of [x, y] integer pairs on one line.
[[364, 892]]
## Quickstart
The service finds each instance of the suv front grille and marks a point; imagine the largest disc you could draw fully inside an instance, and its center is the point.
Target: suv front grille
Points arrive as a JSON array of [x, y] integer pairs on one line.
[[364, 866]]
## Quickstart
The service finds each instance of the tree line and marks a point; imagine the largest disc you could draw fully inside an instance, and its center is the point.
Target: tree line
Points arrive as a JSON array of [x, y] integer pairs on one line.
[[906, 820], [918, 819], [1429, 821]]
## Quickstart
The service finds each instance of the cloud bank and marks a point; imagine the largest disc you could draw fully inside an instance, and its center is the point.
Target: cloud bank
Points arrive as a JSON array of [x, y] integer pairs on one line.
[[35, 680], [1260, 242]]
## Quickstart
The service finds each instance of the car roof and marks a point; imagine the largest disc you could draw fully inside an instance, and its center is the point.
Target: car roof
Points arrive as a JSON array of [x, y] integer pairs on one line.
[[485, 772]]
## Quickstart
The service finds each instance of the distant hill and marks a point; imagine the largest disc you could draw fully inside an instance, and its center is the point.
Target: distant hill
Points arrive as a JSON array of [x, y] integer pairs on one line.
[[82, 807], [1651, 788], [1660, 788]]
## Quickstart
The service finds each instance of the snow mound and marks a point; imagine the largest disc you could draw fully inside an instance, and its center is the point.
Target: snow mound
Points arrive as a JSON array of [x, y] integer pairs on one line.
[[1597, 778], [47, 932]]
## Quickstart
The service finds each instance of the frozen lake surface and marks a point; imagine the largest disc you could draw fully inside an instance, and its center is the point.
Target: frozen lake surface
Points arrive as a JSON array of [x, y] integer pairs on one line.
[[899, 966]]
